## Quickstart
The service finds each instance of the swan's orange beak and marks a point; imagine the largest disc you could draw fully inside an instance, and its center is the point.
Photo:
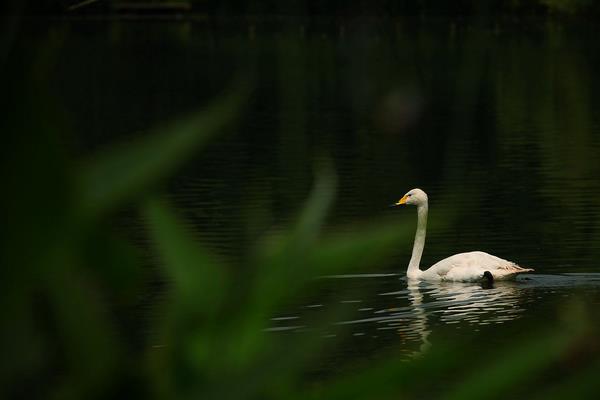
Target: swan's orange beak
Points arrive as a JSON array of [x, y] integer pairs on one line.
[[401, 201]]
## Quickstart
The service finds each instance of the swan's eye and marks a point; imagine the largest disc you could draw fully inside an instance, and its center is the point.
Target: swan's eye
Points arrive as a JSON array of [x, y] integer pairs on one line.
[[408, 195]]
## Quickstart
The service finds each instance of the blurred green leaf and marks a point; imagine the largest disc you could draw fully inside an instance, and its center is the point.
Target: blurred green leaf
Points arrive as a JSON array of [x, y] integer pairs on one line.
[[283, 259], [116, 263], [125, 171], [281, 269], [198, 285], [362, 247], [315, 209], [198, 279]]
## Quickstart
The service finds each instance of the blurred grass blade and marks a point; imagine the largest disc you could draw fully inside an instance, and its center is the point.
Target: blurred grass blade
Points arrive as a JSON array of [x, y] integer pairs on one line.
[[299, 257], [281, 269], [198, 279], [284, 374], [126, 170], [314, 212], [363, 247], [284, 260], [190, 315], [290, 263]]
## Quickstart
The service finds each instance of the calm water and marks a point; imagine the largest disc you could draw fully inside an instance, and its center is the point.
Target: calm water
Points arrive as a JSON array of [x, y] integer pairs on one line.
[[499, 124], [402, 315]]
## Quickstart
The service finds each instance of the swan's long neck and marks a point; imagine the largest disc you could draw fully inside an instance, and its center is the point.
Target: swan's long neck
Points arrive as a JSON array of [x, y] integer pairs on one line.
[[413, 266]]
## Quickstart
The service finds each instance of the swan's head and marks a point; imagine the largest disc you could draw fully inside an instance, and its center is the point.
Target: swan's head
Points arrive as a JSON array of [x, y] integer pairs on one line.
[[415, 197]]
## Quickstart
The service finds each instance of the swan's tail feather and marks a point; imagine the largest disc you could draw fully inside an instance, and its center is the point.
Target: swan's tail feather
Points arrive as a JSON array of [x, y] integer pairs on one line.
[[519, 270], [511, 271]]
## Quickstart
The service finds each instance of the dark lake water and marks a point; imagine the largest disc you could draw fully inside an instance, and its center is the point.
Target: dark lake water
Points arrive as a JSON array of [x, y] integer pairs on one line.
[[498, 123]]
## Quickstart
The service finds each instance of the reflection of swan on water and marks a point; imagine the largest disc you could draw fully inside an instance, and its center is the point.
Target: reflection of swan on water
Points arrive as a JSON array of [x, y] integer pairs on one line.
[[474, 304], [432, 303], [464, 267], [419, 324]]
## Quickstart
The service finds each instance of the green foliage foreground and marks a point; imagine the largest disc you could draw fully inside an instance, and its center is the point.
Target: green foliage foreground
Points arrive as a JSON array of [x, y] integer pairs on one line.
[[67, 276]]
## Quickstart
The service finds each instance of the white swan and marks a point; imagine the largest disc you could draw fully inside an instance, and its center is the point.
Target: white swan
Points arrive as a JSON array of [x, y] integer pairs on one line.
[[474, 266]]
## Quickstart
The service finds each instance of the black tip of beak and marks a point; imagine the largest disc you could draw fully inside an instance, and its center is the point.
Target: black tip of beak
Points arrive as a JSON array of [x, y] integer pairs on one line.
[[393, 205]]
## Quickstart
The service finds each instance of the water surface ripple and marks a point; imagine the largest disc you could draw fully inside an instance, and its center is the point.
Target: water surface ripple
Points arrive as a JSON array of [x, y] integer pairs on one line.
[[413, 309]]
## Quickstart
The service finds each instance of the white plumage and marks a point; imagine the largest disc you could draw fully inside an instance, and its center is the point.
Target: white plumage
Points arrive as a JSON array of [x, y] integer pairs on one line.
[[462, 267]]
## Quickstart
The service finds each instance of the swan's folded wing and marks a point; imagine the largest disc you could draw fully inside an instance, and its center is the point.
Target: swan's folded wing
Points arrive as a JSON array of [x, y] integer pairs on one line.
[[474, 260], [471, 266]]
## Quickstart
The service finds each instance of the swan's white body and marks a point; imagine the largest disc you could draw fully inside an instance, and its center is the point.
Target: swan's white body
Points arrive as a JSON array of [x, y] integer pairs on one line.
[[463, 267]]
